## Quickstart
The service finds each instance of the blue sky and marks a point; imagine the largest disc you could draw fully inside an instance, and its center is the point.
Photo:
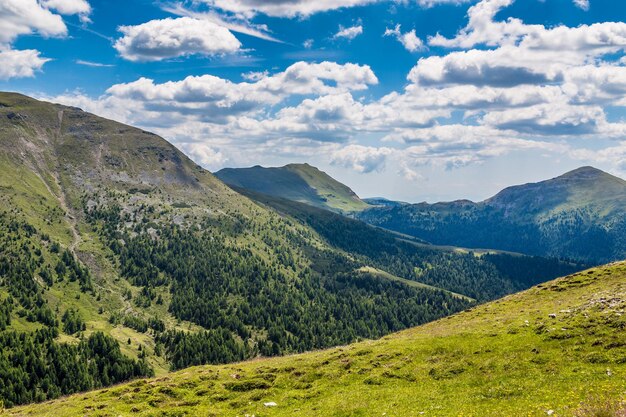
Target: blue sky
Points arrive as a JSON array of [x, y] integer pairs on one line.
[[413, 100]]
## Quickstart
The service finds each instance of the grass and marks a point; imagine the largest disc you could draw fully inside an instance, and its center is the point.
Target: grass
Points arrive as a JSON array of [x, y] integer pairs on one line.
[[386, 275], [556, 348]]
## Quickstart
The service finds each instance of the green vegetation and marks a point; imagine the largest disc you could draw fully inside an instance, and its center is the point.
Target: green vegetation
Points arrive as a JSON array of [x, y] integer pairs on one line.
[[481, 276], [556, 349], [110, 234], [272, 311], [298, 182], [579, 215]]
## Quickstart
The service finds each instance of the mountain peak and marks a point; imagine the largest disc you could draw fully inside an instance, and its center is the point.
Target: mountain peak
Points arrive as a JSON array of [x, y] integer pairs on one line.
[[300, 182], [586, 171]]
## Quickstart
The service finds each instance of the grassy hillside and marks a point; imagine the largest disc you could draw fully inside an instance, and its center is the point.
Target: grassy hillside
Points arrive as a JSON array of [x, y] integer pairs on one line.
[[579, 215], [298, 182], [556, 349]]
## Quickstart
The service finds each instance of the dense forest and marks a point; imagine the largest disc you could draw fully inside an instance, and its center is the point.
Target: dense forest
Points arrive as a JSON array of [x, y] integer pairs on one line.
[[238, 294], [34, 366], [483, 278]]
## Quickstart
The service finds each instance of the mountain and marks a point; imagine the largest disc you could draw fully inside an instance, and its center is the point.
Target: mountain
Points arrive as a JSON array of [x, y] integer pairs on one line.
[[121, 258], [554, 349], [380, 201], [580, 215], [298, 182]]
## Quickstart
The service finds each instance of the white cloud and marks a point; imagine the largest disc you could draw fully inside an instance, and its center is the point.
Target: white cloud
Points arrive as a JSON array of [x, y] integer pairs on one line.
[[363, 159], [432, 3], [583, 4], [93, 64], [203, 154], [23, 17], [282, 8], [24, 63], [482, 29], [169, 38], [409, 40], [506, 66], [233, 23], [68, 7], [308, 44], [549, 119], [348, 33], [208, 92]]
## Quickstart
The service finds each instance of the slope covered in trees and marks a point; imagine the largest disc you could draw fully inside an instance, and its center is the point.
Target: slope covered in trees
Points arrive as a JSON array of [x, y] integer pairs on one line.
[[482, 275], [579, 215], [556, 349]]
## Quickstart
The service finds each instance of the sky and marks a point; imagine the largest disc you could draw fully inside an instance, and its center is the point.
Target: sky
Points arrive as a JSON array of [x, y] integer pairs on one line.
[[412, 100]]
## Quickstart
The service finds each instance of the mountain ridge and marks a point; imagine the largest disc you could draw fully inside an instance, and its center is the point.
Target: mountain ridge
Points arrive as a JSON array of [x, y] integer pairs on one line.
[[299, 182], [579, 215]]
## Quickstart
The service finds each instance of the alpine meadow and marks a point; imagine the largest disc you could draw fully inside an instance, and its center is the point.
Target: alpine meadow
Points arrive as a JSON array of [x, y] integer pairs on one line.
[[313, 208]]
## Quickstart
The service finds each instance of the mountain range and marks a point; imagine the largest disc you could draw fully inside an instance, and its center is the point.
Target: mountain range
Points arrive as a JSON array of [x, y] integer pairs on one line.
[[580, 215], [122, 258]]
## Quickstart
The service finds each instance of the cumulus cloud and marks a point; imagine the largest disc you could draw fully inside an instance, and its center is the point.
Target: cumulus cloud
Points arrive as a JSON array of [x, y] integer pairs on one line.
[[282, 8], [169, 38], [498, 68], [204, 154], [70, 7], [363, 159], [25, 63], [24, 17], [349, 32], [409, 40]]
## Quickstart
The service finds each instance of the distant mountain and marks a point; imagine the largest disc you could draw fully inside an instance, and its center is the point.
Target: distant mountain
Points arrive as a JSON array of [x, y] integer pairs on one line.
[[298, 182], [383, 202], [579, 215]]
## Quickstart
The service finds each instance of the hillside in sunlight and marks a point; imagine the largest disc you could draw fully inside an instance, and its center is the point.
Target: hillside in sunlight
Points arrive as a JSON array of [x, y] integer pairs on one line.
[[298, 182], [556, 349]]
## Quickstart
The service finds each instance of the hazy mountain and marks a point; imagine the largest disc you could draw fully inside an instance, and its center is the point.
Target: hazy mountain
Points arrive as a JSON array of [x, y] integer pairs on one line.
[[579, 215], [551, 350], [298, 182]]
